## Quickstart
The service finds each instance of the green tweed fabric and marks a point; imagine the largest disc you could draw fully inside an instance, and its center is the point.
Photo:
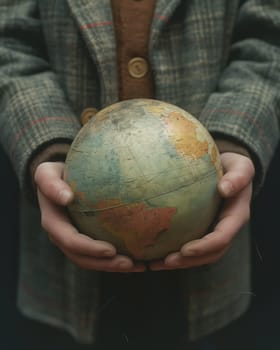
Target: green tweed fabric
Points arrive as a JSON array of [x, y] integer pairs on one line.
[[215, 58]]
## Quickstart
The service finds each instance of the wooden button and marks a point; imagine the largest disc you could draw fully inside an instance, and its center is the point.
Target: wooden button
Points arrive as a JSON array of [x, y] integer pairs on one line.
[[138, 67], [87, 114]]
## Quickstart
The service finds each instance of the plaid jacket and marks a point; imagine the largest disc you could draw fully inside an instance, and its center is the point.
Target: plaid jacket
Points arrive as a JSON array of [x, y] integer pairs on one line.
[[215, 58]]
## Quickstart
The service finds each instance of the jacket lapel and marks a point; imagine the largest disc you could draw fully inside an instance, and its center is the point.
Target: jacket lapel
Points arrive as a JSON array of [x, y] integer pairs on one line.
[[94, 20], [163, 11]]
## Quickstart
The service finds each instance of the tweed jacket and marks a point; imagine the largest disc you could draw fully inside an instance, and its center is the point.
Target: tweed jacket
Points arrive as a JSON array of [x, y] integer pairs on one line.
[[218, 59]]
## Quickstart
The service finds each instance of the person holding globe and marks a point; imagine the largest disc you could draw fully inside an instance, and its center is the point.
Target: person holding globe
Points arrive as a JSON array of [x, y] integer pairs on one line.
[[218, 60]]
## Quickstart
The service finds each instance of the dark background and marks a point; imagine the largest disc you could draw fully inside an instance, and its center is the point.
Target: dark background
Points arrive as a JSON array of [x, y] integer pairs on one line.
[[261, 322]]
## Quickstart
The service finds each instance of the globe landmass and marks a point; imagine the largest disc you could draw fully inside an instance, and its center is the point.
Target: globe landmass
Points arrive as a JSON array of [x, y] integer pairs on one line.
[[144, 174]]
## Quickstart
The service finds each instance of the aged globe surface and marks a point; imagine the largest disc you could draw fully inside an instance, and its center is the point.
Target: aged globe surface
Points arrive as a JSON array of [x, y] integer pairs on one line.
[[144, 174]]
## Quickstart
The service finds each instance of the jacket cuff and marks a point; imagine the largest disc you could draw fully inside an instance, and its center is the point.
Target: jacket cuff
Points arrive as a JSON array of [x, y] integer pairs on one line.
[[52, 153], [229, 146]]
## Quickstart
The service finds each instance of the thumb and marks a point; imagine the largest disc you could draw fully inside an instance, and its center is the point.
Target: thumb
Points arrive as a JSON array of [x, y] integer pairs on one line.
[[238, 173], [48, 177]]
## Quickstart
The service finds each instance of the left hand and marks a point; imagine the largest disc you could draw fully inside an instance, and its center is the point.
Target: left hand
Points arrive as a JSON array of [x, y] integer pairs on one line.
[[236, 188], [54, 194]]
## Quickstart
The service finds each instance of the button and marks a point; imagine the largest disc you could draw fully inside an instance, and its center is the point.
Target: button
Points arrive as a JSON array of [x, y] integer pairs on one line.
[[138, 67], [87, 114]]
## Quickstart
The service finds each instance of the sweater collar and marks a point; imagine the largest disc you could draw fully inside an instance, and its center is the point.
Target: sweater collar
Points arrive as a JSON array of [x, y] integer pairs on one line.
[[94, 18]]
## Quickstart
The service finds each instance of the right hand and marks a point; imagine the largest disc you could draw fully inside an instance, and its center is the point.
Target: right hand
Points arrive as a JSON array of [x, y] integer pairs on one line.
[[235, 187], [54, 195]]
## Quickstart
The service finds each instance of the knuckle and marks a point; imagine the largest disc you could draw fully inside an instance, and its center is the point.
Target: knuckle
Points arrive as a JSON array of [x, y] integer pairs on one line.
[[68, 244], [223, 242]]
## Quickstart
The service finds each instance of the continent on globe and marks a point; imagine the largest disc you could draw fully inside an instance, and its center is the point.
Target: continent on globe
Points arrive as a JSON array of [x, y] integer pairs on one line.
[[144, 175], [136, 224]]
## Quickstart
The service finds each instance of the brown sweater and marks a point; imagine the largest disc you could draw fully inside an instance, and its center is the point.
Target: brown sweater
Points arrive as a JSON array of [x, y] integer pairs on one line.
[[132, 40]]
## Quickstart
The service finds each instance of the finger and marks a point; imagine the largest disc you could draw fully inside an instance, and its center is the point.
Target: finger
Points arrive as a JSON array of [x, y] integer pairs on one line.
[[231, 219], [177, 261], [239, 172], [48, 177], [117, 264], [64, 234]]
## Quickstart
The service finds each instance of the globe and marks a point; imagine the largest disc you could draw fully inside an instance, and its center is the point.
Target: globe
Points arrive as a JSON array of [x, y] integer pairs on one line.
[[144, 175]]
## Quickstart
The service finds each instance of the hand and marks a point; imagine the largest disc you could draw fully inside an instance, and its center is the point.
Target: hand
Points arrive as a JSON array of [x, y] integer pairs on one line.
[[236, 188], [53, 195]]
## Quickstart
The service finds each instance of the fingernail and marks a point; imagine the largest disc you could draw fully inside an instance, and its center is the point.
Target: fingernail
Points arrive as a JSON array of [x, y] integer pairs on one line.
[[226, 187], [65, 196]]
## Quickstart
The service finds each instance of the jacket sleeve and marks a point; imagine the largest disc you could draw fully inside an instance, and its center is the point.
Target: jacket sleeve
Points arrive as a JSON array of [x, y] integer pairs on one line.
[[34, 111], [245, 105]]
